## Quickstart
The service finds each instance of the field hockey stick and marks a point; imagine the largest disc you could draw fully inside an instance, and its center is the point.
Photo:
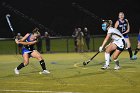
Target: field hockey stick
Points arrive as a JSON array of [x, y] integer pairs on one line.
[[86, 62], [11, 28], [9, 23]]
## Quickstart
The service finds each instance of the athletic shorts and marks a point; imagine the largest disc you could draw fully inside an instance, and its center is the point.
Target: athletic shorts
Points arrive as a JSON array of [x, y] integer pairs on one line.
[[24, 50], [139, 37], [125, 36], [120, 44]]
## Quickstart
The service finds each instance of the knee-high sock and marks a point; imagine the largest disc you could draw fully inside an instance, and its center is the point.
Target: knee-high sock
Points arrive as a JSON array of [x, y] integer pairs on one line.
[[136, 51], [107, 58], [116, 62], [20, 66], [42, 63], [130, 52]]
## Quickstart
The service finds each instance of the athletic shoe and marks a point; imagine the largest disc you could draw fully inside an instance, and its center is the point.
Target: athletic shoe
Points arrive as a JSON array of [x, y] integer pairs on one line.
[[134, 57], [16, 71], [105, 67], [117, 67], [45, 72]]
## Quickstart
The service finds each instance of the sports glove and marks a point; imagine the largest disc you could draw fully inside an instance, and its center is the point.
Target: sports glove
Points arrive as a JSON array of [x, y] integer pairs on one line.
[[100, 49]]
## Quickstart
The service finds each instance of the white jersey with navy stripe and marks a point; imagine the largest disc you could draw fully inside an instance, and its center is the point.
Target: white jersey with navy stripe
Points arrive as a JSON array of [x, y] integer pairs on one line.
[[115, 34], [117, 37]]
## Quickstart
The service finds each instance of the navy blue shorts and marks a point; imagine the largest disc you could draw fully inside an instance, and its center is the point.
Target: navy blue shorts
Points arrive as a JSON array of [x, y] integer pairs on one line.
[[139, 37], [126, 36], [24, 50]]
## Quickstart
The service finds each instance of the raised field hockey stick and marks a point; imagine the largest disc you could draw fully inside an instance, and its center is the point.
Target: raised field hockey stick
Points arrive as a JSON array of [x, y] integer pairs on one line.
[[11, 28], [9, 23], [86, 62]]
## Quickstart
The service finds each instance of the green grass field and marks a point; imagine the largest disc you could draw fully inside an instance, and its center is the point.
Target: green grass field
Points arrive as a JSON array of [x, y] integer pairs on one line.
[[69, 76]]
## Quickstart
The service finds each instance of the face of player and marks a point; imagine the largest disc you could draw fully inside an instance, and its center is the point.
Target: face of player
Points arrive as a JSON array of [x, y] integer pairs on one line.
[[35, 36], [121, 16]]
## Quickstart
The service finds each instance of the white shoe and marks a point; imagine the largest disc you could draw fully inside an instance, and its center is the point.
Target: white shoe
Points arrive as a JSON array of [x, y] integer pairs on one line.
[[134, 57], [16, 71], [105, 67], [45, 72], [117, 67]]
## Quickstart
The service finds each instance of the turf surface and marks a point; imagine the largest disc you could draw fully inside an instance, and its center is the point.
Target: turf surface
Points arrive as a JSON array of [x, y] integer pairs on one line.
[[69, 76]]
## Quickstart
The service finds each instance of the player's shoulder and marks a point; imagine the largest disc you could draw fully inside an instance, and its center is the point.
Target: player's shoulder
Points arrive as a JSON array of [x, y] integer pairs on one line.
[[126, 20], [111, 30], [117, 21]]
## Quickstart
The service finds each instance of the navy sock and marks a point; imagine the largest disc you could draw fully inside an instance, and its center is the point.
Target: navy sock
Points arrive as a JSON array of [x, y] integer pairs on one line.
[[136, 51], [42, 63], [20, 66], [130, 52]]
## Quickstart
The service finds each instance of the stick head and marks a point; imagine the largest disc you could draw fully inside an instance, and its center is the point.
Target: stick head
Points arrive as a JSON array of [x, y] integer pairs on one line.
[[84, 63], [7, 15]]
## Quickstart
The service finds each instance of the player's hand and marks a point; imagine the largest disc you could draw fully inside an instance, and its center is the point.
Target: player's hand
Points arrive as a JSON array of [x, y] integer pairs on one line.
[[100, 49], [17, 41]]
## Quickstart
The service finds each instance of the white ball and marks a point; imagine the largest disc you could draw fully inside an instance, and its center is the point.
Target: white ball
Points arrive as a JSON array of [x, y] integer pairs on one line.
[[40, 72]]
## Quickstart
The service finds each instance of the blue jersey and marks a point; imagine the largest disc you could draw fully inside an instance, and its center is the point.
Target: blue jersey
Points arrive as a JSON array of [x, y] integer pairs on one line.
[[122, 27], [28, 48]]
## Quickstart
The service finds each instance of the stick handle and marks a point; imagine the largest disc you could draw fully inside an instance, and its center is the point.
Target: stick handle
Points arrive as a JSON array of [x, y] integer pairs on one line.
[[95, 55]]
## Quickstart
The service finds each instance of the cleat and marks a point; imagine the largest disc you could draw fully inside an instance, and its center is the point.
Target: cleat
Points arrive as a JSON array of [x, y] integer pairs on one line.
[[105, 67], [116, 67], [16, 71], [44, 72], [134, 57]]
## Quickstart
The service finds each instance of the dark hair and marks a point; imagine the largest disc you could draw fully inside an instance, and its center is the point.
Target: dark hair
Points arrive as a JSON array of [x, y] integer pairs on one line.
[[36, 31]]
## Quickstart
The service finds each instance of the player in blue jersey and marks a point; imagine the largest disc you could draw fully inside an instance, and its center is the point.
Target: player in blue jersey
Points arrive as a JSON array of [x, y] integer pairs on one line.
[[138, 47], [122, 25], [28, 42]]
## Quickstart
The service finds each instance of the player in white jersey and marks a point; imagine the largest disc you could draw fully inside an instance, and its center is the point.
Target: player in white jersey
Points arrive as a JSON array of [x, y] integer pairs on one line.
[[117, 44]]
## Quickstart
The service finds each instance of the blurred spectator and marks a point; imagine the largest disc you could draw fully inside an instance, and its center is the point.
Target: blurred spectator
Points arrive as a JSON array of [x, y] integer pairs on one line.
[[74, 35], [47, 40], [80, 40], [87, 38], [19, 45], [39, 44]]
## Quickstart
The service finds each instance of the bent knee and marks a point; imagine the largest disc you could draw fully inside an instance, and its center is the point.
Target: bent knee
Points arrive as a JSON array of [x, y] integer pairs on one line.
[[39, 58], [115, 57], [26, 63]]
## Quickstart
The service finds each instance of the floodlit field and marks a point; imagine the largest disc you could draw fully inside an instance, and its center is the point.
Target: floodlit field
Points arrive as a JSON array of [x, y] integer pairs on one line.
[[69, 76]]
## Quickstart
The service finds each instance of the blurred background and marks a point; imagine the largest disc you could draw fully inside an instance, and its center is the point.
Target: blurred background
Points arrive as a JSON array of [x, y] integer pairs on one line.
[[59, 18]]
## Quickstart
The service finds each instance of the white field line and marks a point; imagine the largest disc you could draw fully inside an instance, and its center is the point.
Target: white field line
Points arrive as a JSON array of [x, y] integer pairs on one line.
[[77, 66], [33, 91]]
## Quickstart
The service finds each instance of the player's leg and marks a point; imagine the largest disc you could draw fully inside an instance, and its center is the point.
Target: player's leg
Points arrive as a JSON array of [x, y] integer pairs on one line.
[[109, 49], [82, 45], [25, 63], [127, 40], [136, 50], [111, 53], [115, 58], [38, 56]]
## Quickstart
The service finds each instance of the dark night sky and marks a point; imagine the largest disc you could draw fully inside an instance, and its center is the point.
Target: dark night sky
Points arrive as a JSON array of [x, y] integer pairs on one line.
[[60, 17]]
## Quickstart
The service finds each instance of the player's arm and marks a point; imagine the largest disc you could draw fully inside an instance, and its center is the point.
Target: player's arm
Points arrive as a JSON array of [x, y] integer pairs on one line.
[[116, 24], [24, 38], [104, 42], [25, 43], [128, 27]]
